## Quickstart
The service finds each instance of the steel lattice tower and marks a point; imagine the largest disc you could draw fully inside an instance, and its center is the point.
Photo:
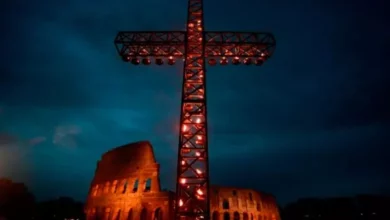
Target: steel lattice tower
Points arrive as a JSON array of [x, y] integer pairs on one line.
[[195, 46]]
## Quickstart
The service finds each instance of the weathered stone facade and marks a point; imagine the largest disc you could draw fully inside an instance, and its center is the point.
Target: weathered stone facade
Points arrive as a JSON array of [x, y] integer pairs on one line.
[[126, 186], [246, 204]]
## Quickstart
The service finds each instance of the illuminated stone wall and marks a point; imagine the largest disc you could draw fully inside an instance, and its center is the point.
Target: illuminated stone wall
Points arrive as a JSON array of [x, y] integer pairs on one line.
[[246, 204], [126, 186]]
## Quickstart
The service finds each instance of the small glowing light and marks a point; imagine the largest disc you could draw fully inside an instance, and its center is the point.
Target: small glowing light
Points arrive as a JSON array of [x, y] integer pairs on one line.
[[171, 61], [198, 120], [199, 28], [183, 162], [199, 197], [199, 21], [223, 61], [212, 62], [188, 107], [185, 150], [199, 191], [198, 171], [135, 61], [236, 60], [247, 61], [197, 154], [146, 61], [200, 39], [181, 202], [185, 128], [191, 25], [126, 58], [183, 181], [199, 137]]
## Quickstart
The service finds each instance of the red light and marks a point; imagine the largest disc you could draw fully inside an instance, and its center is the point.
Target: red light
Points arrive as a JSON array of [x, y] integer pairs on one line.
[[236, 61], [223, 61], [188, 107], [185, 150], [171, 61], [126, 58], [146, 61], [135, 61], [247, 61], [212, 62], [264, 54]]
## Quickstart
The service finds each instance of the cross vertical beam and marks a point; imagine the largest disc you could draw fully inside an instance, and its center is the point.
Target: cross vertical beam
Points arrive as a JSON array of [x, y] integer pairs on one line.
[[192, 185], [196, 47]]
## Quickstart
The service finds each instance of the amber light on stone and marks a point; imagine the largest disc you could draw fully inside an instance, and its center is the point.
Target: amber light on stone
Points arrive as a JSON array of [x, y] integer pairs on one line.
[[126, 186]]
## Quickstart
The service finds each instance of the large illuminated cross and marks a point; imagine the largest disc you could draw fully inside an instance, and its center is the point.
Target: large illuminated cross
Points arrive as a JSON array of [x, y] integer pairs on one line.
[[196, 47]]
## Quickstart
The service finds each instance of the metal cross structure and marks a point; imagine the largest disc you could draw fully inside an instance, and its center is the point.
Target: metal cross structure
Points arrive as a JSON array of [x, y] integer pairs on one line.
[[196, 47]]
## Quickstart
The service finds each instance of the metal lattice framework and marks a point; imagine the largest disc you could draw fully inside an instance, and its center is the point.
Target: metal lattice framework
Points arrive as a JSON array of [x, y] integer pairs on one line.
[[196, 47]]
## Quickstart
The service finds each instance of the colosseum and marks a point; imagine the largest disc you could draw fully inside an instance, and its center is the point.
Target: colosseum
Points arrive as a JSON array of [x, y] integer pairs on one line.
[[126, 186]]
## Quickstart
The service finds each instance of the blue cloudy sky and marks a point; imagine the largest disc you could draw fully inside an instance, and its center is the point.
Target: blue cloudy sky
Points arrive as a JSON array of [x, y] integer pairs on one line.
[[311, 122]]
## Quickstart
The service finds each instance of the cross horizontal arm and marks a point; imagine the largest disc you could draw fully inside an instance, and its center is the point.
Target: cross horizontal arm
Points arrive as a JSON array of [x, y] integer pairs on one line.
[[151, 43], [217, 44], [239, 44]]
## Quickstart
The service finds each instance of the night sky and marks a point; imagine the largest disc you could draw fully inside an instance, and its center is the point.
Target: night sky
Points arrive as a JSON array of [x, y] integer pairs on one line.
[[313, 121]]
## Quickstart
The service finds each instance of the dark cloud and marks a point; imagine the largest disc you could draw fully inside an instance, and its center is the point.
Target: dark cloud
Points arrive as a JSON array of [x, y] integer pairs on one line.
[[314, 117], [15, 155], [7, 140], [323, 163]]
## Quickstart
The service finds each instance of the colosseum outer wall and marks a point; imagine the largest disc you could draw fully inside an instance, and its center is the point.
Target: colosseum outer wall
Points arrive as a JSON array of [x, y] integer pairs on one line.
[[126, 186], [228, 203]]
